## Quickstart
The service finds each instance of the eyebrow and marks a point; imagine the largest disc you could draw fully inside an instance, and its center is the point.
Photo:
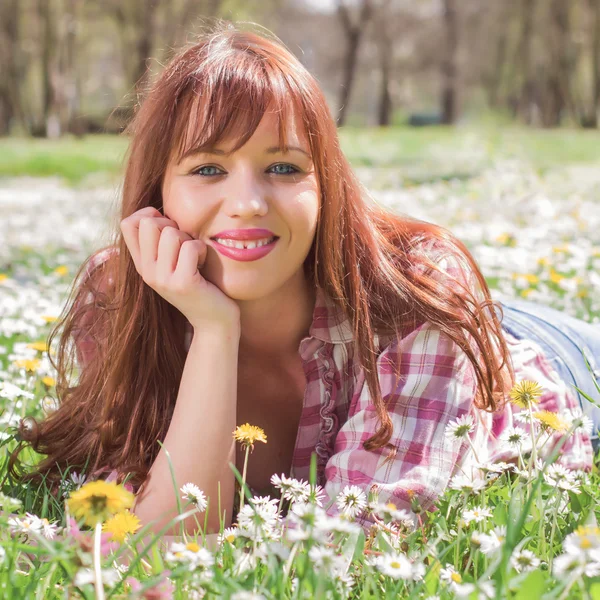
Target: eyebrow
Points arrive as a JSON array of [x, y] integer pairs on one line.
[[271, 150]]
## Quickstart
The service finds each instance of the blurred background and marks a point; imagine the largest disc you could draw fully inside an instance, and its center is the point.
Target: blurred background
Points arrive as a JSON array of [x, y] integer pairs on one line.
[[77, 66]]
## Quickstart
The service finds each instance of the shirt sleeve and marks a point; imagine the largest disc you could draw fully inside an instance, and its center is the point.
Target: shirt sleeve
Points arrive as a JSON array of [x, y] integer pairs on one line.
[[437, 385]]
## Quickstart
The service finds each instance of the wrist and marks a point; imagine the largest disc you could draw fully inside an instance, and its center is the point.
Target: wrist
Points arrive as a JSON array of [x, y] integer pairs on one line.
[[220, 329]]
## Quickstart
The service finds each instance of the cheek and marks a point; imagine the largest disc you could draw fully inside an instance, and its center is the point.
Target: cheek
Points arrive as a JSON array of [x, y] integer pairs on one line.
[[304, 210], [182, 204]]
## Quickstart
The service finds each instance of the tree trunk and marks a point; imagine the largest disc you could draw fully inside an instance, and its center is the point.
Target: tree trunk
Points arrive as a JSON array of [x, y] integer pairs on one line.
[[353, 33], [524, 109], [144, 42], [72, 87], [49, 120], [595, 15], [449, 100], [9, 82], [494, 81]]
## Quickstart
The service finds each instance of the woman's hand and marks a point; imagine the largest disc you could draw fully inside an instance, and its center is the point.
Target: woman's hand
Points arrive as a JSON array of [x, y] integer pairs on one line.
[[169, 261]]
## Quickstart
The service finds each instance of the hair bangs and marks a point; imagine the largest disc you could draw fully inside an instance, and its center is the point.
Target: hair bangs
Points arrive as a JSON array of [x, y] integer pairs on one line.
[[227, 101]]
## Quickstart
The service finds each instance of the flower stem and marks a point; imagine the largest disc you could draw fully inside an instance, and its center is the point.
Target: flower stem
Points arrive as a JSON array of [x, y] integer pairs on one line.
[[97, 563], [554, 524], [244, 476]]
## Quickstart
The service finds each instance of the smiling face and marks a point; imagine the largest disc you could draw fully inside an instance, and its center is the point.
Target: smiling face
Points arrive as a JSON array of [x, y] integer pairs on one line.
[[258, 186]]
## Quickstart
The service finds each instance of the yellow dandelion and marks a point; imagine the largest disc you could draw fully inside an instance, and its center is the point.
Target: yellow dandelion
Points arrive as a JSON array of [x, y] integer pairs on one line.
[[3, 277], [531, 278], [97, 501], [544, 262], [62, 270], [525, 393], [555, 276], [49, 381], [249, 434], [551, 420], [121, 525], [30, 365], [39, 346], [526, 292], [49, 318]]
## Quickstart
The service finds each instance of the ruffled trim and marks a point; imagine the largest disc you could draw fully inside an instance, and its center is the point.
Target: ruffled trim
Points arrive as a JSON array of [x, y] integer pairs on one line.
[[329, 420]]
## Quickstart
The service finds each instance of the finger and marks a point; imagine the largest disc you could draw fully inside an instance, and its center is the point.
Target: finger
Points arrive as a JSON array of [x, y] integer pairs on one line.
[[192, 255], [168, 252], [149, 236], [130, 230]]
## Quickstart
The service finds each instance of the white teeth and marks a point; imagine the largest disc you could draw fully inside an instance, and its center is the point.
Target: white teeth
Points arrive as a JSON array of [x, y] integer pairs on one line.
[[244, 244]]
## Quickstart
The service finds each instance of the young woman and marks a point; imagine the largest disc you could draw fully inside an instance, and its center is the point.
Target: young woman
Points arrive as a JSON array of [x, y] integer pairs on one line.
[[341, 329]]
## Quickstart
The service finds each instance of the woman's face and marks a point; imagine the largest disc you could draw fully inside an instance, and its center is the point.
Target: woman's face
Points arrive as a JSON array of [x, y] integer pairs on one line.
[[259, 186]]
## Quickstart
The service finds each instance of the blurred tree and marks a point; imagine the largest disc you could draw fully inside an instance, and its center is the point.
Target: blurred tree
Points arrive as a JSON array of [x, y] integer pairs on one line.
[[10, 59], [449, 64], [353, 27]]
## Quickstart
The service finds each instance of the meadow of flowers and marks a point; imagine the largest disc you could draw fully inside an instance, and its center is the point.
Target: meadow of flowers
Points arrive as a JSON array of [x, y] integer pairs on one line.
[[526, 530]]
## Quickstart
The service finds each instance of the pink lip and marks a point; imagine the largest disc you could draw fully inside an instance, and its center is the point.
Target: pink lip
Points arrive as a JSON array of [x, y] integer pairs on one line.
[[244, 254], [245, 234]]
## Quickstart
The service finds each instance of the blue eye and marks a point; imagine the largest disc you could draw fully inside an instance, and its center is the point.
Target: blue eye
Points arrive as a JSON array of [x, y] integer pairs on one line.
[[285, 165], [197, 171], [215, 171]]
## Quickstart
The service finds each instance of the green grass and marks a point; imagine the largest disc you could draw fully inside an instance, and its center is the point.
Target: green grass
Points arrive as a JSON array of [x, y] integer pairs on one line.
[[405, 148]]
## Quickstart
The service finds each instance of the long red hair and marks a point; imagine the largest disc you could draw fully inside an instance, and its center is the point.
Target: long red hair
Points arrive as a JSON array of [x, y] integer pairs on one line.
[[369, 261]]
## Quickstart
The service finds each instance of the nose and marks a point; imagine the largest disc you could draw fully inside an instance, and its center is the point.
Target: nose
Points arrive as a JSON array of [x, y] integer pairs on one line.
[[244, 196]]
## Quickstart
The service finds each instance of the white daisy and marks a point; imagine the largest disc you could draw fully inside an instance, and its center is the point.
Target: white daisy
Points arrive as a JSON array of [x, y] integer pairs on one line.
[[316, 495], [352, 501], [583, 540], [191, 554], [394, 565], [465, 483], [229, 535], [576, 414], [48, 529], [326, 559], [450, 576], [25, 525], [459, 428], [477, 514], [514, 437], [262, 519], [558, 476], [524, 561], [192, 493], [402, 516], [492, 541]]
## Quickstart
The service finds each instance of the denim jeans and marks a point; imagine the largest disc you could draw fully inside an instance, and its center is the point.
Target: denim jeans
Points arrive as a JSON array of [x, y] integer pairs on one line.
[[564, 339]]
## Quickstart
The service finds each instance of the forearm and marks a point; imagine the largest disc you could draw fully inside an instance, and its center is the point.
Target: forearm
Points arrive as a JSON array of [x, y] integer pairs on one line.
[[200, 436]]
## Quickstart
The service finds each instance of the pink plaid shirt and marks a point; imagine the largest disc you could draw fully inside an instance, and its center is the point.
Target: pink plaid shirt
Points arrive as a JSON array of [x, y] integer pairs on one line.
[[437, 386]]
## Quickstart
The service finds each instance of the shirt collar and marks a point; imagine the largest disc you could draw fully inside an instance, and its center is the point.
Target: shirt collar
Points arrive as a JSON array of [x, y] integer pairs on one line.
[[330, 323]]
